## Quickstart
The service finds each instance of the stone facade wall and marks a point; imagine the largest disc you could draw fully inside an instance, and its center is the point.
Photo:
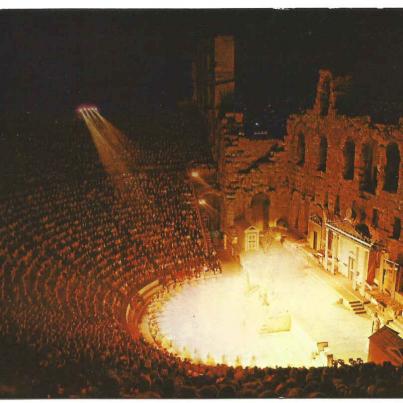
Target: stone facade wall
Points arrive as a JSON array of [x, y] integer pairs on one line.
[[330, 168], [213, 76], [319, 191], [224, 67], [305, 177], [248, 168]]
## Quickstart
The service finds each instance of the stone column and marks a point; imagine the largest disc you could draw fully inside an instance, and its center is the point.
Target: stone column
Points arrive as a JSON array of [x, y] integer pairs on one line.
[[365, 272], [335, 255], [355, 271], [326, 248]]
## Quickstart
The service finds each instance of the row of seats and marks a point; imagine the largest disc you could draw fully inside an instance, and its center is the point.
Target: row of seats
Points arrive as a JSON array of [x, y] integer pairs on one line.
[[74, 251]]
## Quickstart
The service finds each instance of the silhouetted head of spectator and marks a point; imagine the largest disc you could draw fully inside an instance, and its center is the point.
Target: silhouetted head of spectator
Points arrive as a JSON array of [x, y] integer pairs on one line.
[[168, 388], [144, 383], [187, 392], [294, 393], [208, 392], [227, 391]]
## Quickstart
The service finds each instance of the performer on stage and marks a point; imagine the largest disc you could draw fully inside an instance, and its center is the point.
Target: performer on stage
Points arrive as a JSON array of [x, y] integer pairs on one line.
[[265, 298]]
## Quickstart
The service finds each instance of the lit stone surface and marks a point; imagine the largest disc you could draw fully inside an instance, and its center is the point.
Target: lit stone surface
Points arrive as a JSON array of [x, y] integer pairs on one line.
[[225, 316]]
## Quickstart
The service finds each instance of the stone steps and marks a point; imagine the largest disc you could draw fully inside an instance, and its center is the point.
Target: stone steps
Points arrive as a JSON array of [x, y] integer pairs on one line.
[[357, 306]]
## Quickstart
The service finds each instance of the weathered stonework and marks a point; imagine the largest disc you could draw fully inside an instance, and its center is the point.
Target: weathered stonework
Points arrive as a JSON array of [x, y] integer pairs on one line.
[[312, 178], [335, 180], [213, 76], [248, 168]]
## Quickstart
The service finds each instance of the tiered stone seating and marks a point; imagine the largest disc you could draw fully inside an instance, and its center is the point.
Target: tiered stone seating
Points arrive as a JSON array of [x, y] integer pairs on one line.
[[74, 251]]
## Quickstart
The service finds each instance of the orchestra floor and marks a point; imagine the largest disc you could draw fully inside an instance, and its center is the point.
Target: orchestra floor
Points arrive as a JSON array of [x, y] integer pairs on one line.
[[225, 318]]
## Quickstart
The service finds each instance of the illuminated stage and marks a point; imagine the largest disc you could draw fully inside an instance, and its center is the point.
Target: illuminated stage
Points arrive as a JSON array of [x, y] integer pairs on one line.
[[274, 313]]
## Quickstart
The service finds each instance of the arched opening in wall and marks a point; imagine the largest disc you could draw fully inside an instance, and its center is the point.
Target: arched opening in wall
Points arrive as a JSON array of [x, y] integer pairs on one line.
[[349, 159], [368, 180], [300, 149], [391, 182], [397, 227], [282, 223], [363, 230], [322, 154], [325, 97], [260, 206]]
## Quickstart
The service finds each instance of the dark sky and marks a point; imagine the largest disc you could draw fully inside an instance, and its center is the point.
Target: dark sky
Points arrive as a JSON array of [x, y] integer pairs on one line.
[[51, 61]]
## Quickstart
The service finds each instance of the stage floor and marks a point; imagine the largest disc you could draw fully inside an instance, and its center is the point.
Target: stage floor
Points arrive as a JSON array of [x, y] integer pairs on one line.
[[222, 317]]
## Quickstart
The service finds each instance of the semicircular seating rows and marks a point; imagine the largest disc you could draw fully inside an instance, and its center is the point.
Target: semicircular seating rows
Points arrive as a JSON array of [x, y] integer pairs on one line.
[[74, 252]]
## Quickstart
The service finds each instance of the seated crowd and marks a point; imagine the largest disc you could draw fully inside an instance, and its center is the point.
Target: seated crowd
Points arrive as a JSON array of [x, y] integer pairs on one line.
[[73, 254]]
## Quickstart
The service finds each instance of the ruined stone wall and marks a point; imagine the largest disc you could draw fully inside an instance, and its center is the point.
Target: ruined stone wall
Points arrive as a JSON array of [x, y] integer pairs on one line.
[[213, 77], [306, 177], [327, 193], [213, 72], [248, 168], [224, 67], [203, 75]]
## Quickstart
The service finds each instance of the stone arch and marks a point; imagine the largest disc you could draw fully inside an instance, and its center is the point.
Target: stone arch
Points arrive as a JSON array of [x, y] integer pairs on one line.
[[349, 159], [396, 229], [260, 211], [322, 162], [392, 167], [282, 222]]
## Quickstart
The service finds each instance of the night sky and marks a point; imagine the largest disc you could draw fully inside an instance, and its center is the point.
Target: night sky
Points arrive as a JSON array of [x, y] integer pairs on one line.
[[52, 61]]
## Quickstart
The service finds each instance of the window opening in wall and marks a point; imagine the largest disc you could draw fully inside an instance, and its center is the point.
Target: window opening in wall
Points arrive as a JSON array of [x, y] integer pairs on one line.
[[322, 154], [363, 230], [368, 180], [349, 158], [396, 228], [391, 180], [260, 206], [301, 150], [375, 217]]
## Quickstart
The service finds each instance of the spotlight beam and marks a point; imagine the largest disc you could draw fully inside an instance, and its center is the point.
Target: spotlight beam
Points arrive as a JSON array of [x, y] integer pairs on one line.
[[114, 149]]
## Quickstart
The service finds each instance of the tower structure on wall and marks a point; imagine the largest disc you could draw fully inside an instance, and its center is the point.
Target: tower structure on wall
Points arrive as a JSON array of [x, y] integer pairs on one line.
[[213, 74]]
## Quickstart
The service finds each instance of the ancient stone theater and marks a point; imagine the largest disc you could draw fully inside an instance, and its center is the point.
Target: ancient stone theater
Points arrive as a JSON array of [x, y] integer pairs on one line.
[[334, 181]]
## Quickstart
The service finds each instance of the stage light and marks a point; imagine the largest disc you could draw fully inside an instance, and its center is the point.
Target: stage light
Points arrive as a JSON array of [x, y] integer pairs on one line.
[[202, 202], [86, 108], [195, 174]]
